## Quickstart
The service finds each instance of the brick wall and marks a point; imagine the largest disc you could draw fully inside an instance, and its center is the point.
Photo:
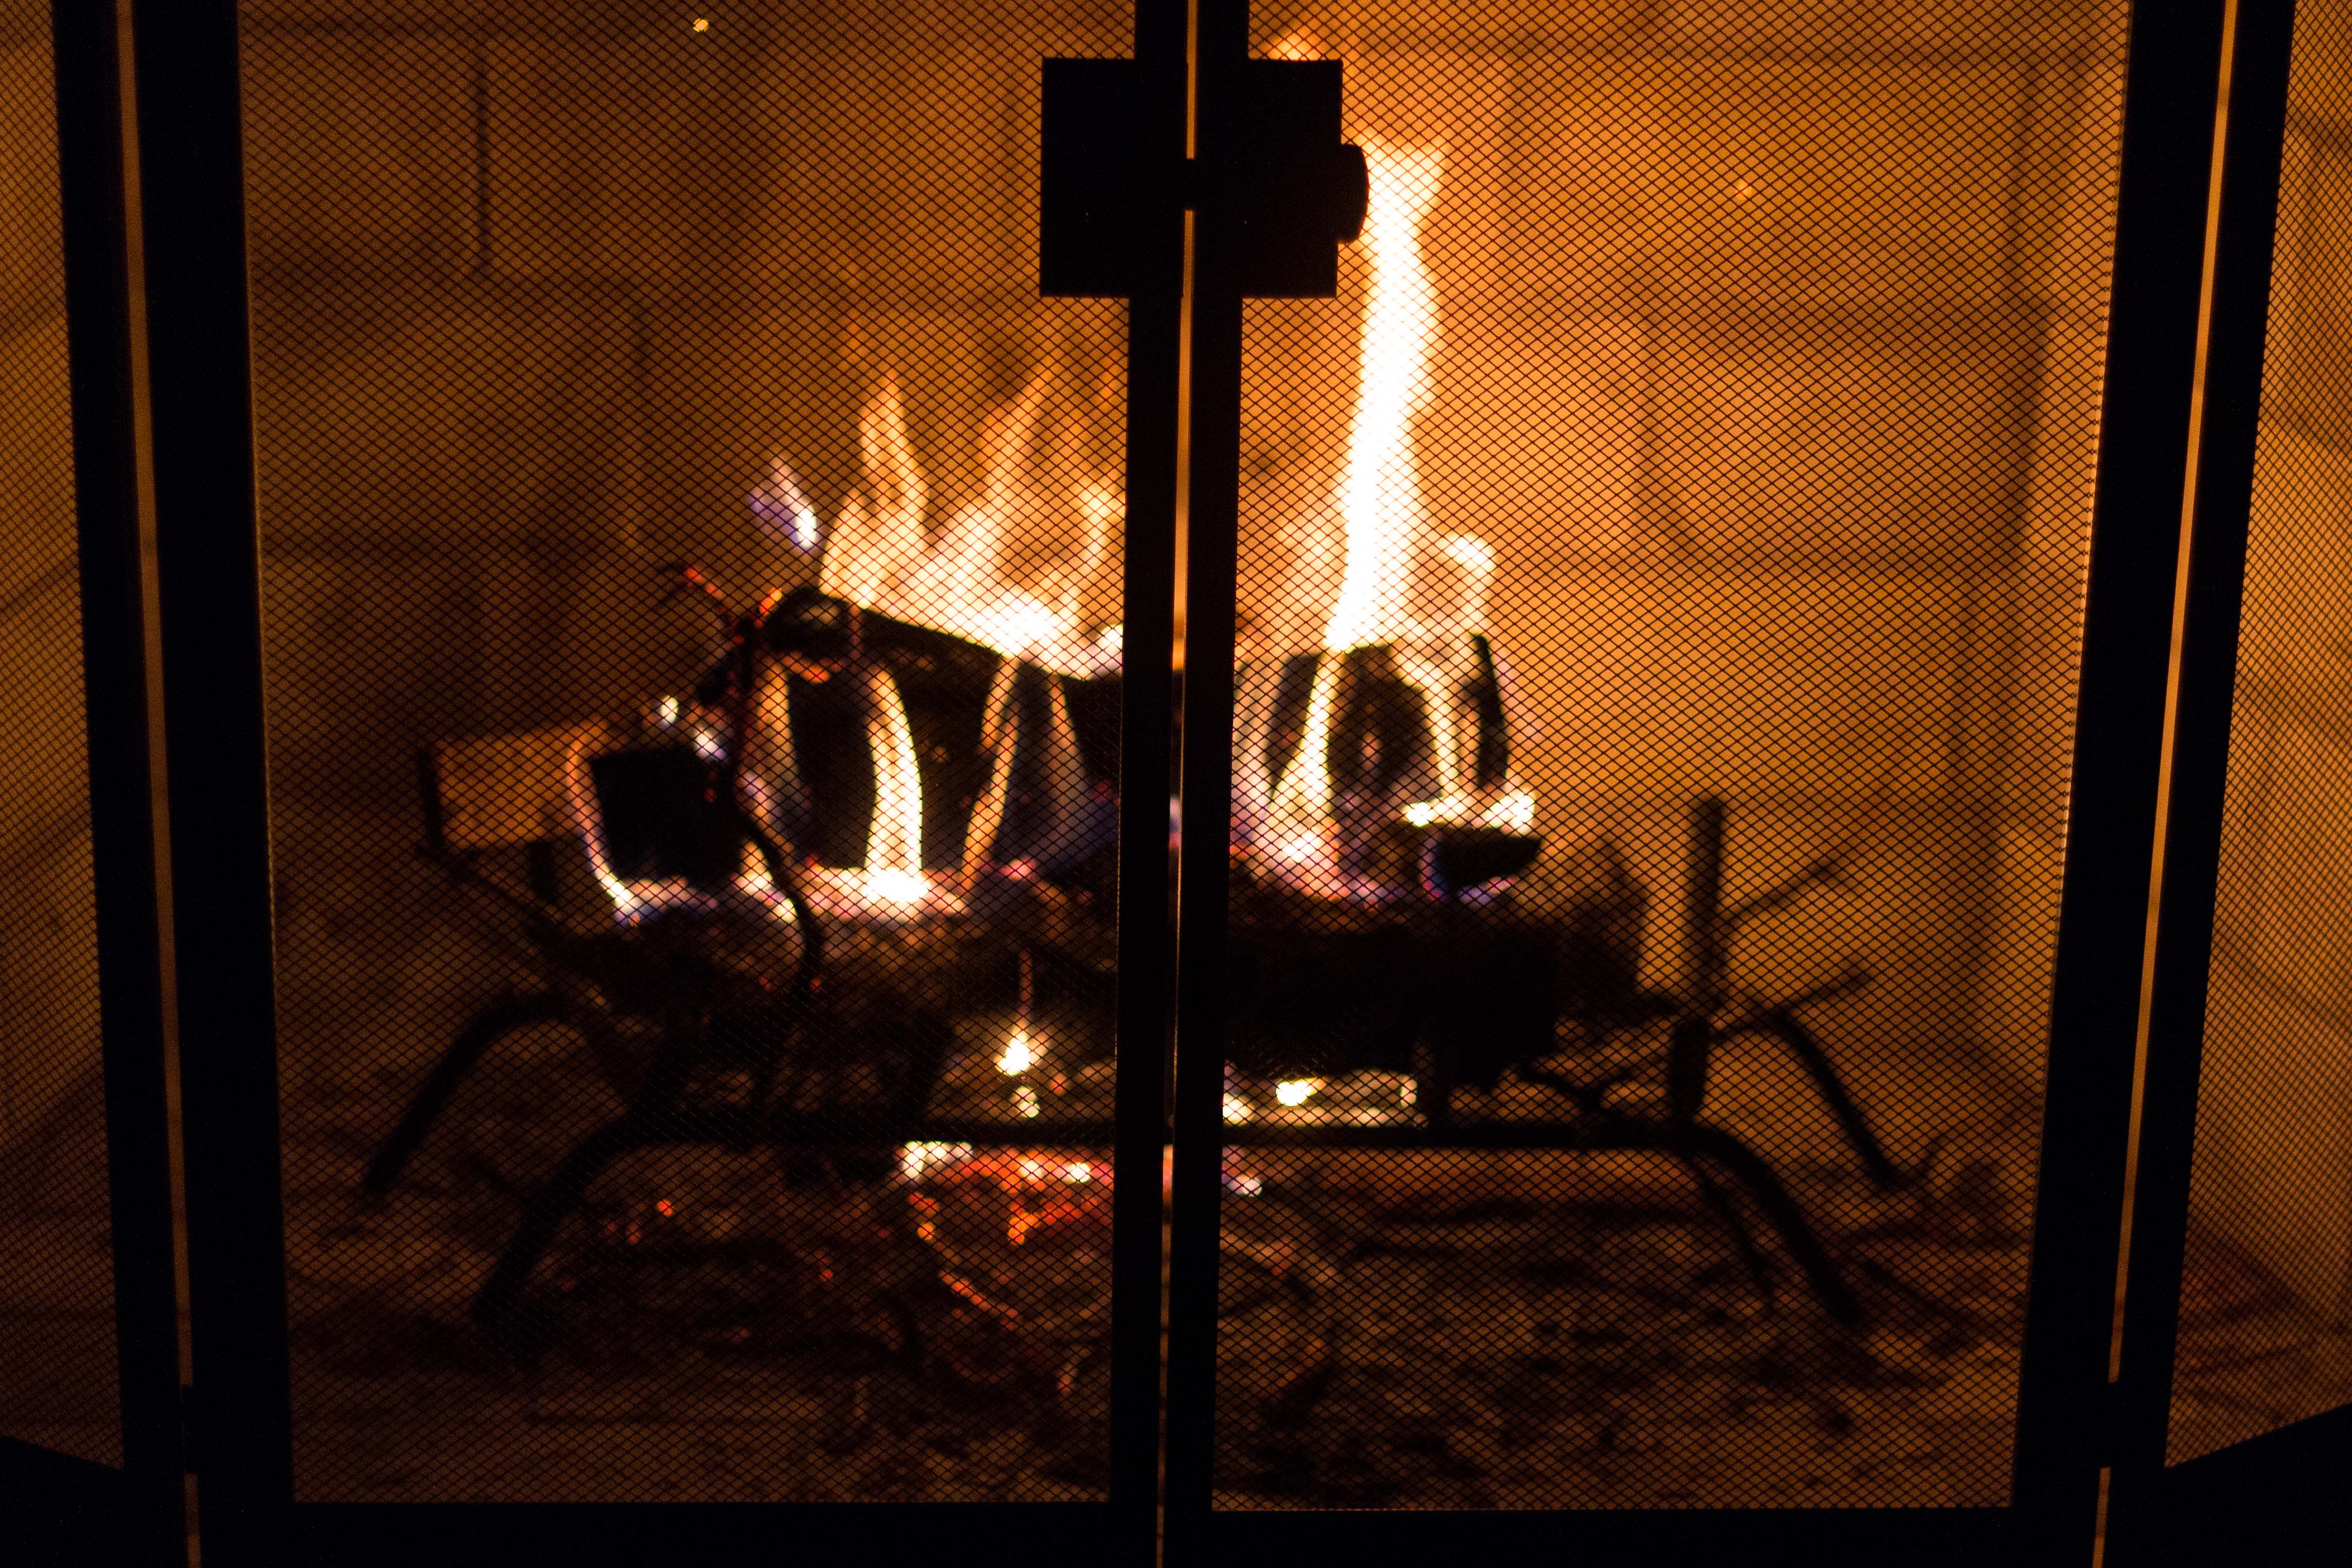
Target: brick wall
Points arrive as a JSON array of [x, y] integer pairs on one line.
[[539, 292]]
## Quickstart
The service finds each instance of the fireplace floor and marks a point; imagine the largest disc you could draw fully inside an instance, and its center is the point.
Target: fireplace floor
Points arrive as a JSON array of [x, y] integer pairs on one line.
[[1469, 1334]]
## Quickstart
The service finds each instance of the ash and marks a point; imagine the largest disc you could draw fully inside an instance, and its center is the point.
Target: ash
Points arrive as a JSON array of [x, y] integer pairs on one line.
[[1435, 1330]]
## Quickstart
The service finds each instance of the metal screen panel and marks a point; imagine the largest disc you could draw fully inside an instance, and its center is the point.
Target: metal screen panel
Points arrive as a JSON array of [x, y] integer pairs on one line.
[[1659, 596], [2265, 1313], [58, 1372], [681, 515]]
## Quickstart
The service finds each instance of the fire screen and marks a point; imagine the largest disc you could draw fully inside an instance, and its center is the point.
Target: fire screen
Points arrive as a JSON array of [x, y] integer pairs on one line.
[[58, 1372], [2265, 1325], [692, 573], [1658, 601], [683, 521]]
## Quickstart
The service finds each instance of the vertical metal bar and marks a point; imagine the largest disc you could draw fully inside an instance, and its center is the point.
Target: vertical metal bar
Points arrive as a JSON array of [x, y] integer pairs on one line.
[[99, 329], [1145, 932], [2205, 688], [2172, 77], [1702, 958], [1214, 477], [208, 585]]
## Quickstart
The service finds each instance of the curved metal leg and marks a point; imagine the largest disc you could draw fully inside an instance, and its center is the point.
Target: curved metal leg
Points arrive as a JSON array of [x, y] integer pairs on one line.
[[494, 1305], [650, 1120], [502, 1016], [1781, 1211], [1783, 1026], [1719, 1204]]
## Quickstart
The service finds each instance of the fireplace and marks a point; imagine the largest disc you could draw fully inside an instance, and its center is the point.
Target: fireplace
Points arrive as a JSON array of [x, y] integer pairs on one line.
[[1657, 569], [1473, 685]]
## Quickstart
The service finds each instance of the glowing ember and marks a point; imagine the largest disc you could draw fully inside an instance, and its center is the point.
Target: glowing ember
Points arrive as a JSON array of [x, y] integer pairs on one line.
[[1296, 1091], [1020, 1050], [1018, 1056]]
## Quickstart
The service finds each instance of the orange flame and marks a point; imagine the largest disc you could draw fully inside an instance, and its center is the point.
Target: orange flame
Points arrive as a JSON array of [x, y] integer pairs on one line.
[[887, 554], [878, 556], [1404, 583], [1379, 499]]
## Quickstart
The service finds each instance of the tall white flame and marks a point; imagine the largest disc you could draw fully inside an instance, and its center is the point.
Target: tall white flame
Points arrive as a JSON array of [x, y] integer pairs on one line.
[[1380, 503], [894, 845], [1379, 499], [958, 582], [1405, 583]]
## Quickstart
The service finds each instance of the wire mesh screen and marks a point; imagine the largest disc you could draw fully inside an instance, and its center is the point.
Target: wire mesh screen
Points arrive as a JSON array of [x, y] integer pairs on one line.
[[56, 1284], [2265, 1333], [682, 517], [1658, 613]]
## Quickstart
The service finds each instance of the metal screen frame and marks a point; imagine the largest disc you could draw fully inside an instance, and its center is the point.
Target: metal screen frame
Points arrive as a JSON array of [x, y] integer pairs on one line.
[[2271, 1498], [71, 1510], [209, 588], [190, 154], [65, 1509]]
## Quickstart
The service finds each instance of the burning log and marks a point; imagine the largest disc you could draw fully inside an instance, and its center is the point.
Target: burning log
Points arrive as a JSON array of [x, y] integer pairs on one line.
[[1323, 988], [900, 752]]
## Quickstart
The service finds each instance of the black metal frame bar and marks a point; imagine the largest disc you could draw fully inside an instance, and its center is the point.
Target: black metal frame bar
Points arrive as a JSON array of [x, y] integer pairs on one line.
[[70, 1511], [2257, 1500], [208, 585], [208, 567], [1212, 433], [1147, 937], [2062, 1434]]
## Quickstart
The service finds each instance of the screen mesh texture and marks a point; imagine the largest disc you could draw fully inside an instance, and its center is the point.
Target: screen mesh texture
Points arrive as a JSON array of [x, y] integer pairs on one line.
[[681, 514], [2265, 1334], [1659, 603], [56, 1284]]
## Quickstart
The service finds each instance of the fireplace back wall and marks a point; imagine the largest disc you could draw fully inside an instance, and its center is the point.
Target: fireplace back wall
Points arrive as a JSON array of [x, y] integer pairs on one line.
[[523, 276]]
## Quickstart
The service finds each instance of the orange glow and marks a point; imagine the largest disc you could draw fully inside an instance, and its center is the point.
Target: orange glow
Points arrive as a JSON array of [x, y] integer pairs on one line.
[[1297, 44], [1379, 499], [1021, 1051], [888, 553]]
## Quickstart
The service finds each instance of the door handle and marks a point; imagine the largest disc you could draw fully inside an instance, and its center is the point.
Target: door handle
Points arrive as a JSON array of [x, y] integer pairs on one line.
[[1114, 183]]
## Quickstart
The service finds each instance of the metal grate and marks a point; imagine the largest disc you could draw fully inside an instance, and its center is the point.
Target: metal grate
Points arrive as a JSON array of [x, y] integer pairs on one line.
[[2265, 1334], [657, 412], [1659, 592], [56, 1287]]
